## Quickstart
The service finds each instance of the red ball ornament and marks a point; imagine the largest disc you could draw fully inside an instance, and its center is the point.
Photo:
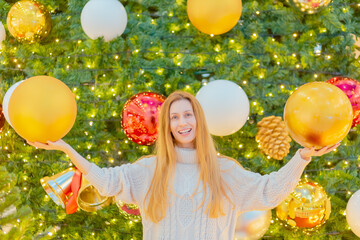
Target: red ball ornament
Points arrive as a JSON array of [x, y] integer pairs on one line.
[[351, 88], [140, 117], [2, 118]]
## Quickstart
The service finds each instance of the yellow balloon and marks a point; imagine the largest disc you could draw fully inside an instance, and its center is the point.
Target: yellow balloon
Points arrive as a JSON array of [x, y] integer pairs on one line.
[[214, 16], [42, 108], [29, 21], [318, 114]]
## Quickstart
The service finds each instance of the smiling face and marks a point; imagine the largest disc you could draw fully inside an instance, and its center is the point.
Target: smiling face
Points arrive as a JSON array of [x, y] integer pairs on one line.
[[183, 123]]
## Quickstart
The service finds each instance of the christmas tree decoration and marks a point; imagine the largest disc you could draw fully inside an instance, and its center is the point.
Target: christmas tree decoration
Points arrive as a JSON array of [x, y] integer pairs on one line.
[[29, 21], [306, 208], [252, 225], [89, 198], [273, 137], [103, 18], [2, 118], [129, 211], [309, 6], [353, 213], [140, 117], [2, 33], [226, 106], [63, 188], [58, 186], [318, 114], [214, 17], [351, 88], [42, 109], [6, 100]]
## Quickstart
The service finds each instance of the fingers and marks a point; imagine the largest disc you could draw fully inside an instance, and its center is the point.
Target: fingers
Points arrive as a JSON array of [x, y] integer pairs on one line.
[[326, 149]]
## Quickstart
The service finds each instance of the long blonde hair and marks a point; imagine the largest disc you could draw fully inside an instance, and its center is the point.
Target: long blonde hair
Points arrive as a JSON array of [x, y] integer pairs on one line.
[[157, 194]]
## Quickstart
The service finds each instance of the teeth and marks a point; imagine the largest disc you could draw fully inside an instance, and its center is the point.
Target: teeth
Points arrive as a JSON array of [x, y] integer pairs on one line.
[[185, 131]]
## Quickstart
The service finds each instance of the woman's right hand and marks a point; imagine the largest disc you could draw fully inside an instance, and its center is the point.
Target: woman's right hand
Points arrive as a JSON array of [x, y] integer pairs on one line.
[[58, 145]]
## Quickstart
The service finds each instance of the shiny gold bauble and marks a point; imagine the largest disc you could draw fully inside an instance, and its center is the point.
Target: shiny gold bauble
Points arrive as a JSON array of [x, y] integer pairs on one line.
[[310, 6], [214, 16], [306, 208], [318, 114], [29, 21]]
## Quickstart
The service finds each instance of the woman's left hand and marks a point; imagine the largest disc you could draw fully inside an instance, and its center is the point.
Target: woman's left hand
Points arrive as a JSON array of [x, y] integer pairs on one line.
[[307, 153]]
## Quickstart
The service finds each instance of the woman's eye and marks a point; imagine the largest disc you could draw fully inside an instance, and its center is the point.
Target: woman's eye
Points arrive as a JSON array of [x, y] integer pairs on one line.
[[174, 117], [188, 115]]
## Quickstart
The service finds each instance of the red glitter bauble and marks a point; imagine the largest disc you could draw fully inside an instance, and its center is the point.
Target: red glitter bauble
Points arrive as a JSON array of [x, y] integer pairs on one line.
[[140, 117], [351, 88]]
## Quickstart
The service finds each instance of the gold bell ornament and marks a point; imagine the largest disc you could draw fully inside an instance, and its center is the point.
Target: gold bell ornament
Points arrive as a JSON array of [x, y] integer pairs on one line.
[[273, 137], [89, 199], [63, 188], [306, 208]]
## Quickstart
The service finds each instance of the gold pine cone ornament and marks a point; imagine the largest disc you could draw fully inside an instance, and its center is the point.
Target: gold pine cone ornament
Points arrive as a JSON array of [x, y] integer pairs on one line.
[[273, 137]]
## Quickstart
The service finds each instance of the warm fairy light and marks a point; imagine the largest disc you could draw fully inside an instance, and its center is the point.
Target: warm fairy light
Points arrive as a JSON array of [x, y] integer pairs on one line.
[[275, 56], [273, 39], [126, 141], [92, 88], [346, 162], [278, 63], [254, 35], [25, 178], [257, 12], [129, 85], [329, 163], [171, 14], [187, 87], [240, 145], [119, 152], [93, 233], [232, 41], [295, 35], [116, 56], [254, 103], [282, 86], [211, 35], [108, 141], [79, 42], [328, 57], [67, 66], [91, 123], [315, 75], [57, 40], [349, 192], [297, 66]]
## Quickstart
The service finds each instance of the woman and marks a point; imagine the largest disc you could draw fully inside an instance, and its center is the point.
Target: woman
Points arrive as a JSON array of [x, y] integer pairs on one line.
[[187, 191]]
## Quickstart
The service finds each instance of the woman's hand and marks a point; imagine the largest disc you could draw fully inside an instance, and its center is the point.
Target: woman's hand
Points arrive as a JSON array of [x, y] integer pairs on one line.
[[307, 153], [58, 145]]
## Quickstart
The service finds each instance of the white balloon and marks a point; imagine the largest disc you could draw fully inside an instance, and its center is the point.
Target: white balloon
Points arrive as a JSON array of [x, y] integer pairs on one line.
[[226, 106], [103, 18], [252, 225], [6, 100], [2, 33], [353, 213]]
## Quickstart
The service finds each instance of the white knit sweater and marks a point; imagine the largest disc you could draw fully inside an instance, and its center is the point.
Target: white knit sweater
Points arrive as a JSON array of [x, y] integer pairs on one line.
[[251, 191]]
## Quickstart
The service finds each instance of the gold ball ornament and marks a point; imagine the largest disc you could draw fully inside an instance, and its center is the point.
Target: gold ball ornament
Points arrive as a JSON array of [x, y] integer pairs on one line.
[[318, 114], [214, 17], [309, 6], [306, 208], [273, 137], [42, 108], [29, 21]]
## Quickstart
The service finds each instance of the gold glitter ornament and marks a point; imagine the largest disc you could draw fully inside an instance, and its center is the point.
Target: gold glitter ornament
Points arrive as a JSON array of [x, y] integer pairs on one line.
[[273, 137], [310, 6], [306, 208], [29, 21]]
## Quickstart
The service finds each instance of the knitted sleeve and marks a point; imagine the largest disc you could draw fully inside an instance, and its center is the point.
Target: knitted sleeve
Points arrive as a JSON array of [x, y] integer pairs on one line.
[[253, 191], [127, 182]]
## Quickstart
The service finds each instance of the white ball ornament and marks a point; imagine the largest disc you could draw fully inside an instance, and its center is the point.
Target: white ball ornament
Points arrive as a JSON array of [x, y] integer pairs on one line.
[[103, 18], [2, 33], [353, 213], [6, 100], [226, 106]]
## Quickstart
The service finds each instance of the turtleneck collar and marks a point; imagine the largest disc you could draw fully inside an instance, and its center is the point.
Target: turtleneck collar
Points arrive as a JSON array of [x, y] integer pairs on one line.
[[186, 155]]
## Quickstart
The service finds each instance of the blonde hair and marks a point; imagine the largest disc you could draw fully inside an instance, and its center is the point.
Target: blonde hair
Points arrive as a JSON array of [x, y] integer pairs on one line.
[[210, 175]]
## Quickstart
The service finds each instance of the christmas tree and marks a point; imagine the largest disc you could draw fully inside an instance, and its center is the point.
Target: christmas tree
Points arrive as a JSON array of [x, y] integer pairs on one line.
[[273, 49]]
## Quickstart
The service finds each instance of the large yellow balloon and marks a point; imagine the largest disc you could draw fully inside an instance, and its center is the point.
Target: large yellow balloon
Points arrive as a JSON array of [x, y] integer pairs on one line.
[[318, 114], [42, 108], [214, 16]]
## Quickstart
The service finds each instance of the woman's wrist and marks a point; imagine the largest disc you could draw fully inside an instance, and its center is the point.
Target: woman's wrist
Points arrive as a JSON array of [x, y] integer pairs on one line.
[[303, 155]]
